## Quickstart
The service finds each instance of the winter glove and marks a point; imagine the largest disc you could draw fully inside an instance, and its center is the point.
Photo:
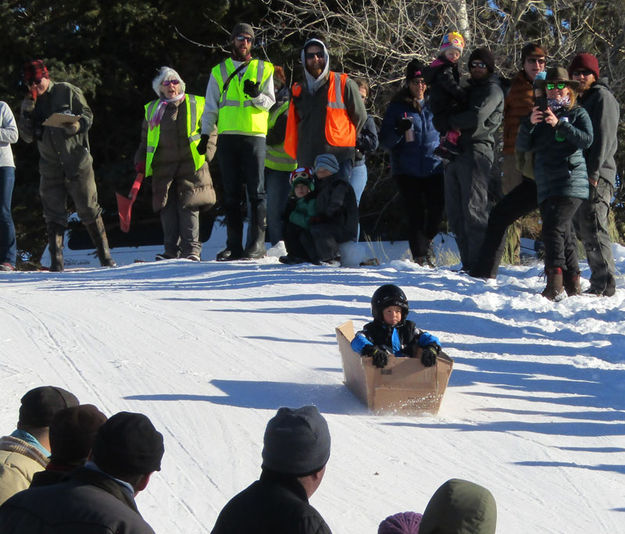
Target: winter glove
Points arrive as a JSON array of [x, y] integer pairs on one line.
[[428, 357], [202, 145], [379, 355], [28, 105], [251, 89], [403, 123], [71, 128], [140, 167]]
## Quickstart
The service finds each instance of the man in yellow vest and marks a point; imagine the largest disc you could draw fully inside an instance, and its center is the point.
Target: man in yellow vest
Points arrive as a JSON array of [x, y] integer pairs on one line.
[[326, 112], [238, 98]]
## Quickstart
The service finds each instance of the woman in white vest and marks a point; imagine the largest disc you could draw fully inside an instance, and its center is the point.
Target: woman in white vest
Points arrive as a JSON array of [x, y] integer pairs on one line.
[[181, 181]]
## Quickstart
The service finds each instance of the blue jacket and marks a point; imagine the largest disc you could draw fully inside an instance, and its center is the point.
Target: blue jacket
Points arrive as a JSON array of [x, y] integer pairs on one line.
[[559, 166], [416, 158], [401, 340]]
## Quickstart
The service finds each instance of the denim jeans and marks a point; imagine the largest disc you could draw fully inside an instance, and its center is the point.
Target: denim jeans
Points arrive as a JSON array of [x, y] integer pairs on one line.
[[277, 189], [8, 246], [358, 181]]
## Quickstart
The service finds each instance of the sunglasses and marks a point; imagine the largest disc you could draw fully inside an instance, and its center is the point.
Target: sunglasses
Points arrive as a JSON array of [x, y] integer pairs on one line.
[[552, 86], [170, 82], [582, 73], [313, 55], [242, 38], [418, 81], [35, 82], [538, 60], [478, 65]]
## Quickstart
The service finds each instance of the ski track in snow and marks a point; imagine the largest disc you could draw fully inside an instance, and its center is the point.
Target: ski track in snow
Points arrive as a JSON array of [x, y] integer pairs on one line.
[[535, 409]]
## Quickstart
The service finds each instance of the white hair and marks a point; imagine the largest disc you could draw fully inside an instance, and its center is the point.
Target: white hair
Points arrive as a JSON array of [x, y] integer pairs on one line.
[[166, 73]]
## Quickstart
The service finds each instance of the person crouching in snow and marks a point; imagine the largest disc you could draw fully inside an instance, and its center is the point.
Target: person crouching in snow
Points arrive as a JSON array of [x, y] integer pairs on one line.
[[391, 332], [300, 209], [336, 212]]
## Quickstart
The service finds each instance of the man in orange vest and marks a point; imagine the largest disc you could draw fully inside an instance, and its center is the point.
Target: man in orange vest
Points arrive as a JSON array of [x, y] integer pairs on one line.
[[326, 112]]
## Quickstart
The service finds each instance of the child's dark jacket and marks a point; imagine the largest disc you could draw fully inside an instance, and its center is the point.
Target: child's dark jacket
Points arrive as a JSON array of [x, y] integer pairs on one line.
[[445, 93]]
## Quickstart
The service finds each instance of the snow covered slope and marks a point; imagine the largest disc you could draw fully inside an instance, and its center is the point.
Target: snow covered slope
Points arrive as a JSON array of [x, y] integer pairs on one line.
[[535, 407]]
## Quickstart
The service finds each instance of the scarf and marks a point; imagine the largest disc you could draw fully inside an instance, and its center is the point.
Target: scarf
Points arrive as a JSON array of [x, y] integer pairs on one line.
[[160, 110], [557, 104]]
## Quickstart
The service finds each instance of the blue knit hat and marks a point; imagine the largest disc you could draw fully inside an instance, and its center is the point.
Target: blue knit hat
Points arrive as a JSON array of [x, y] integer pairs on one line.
[[326, 161]]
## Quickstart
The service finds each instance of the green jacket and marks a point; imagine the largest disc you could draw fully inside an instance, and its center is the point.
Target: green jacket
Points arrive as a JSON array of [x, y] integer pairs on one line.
[[559, 166], [302, 212], [58, 152], [460, 507]]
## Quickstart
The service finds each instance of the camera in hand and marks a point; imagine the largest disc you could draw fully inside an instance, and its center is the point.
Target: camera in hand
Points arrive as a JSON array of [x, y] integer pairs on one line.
[[541, 102]]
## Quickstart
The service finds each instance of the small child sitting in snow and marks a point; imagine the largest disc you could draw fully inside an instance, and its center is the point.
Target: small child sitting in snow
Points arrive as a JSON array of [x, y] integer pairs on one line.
[[391, 332], [300, 209]]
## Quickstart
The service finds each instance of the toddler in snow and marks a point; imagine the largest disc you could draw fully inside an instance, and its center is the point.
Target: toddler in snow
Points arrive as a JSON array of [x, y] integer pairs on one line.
[[445, 94], [390, 331], [300, 209]]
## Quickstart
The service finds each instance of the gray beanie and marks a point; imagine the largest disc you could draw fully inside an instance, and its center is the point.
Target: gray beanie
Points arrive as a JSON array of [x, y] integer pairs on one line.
[[242, 27], [296, 442], [326, 161]]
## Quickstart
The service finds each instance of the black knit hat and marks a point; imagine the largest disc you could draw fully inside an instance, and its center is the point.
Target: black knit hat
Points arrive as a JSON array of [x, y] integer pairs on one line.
[[73, 431], [296, 442], [40, 404], [128, 444], [414, 69], [485, 55]]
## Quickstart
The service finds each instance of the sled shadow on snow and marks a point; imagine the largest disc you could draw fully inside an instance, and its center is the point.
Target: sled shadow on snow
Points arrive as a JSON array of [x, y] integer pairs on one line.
[[329, 398]]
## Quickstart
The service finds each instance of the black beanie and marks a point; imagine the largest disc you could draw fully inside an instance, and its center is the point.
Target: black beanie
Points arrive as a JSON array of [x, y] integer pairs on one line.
[[414, 69], [72, 432], [40, 404], [128, 444], [296, 442], [485, 55]]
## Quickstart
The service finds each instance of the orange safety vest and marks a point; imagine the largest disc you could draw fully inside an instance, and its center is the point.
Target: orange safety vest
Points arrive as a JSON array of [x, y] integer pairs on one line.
[[339, 128]]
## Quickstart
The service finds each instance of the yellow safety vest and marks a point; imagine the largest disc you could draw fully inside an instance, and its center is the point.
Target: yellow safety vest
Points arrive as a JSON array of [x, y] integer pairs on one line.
[[276, 158], [195, 108], [237, 114]]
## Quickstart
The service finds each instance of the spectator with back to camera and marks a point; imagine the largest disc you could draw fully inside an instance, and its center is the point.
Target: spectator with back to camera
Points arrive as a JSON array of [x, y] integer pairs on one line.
[[391, 333]]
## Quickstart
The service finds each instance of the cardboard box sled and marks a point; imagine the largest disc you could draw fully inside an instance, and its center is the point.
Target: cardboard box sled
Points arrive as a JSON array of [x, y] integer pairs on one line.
[[404, 386]]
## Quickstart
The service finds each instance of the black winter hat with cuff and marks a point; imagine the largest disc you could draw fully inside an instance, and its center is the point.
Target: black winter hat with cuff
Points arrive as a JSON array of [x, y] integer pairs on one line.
[[39, 405], [296, 442]]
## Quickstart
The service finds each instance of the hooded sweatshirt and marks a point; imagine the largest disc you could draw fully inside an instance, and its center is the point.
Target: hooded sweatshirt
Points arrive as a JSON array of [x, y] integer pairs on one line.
[[460, 507]]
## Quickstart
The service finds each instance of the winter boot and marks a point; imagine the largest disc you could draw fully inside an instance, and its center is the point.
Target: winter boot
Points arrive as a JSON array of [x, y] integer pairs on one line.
[[555, 288], [572, 285], [255, 247], [55, 246], [234, 232], [97, 233]]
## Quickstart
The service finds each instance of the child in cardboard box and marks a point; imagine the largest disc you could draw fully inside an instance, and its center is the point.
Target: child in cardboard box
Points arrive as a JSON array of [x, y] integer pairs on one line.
[[391, 332]]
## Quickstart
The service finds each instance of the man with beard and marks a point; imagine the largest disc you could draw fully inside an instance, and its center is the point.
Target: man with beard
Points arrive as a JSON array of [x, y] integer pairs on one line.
[[238, 98], [591, 219], [326, 112]]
